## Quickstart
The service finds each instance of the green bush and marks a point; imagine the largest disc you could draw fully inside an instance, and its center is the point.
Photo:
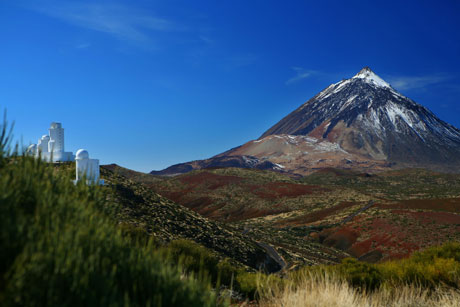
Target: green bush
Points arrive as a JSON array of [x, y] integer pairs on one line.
[[360, 274], [57, 248], [227, 273], [248, 283], [428, 273], [192, 257], [201, 262], [253, 284], [450, 250]]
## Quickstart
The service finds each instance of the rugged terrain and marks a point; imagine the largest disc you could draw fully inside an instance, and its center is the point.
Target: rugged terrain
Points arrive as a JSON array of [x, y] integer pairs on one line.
[[142, 208], [369, 216]]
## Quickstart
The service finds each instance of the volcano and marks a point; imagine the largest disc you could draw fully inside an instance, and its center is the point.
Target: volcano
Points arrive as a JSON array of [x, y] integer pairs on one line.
[[360, 123]]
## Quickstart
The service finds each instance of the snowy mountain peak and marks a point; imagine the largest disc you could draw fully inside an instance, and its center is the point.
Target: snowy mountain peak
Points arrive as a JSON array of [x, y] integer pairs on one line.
[[370, 77], [366, 116]]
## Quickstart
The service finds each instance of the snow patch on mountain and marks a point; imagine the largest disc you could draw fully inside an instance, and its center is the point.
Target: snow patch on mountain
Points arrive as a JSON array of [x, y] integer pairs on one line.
[[348, 102], [408, 116], [370, 77], [340, 85]]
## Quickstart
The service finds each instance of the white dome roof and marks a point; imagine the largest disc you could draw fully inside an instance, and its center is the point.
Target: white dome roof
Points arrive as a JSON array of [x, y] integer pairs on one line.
[[32, 148], [45, 137], [82, 154]]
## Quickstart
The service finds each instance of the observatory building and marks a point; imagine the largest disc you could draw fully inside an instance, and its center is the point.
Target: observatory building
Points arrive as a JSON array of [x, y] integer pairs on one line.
[[51, 147], [87, 168]]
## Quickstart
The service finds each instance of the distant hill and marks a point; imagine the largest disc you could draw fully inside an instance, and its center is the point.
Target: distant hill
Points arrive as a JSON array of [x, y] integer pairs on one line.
[[242, 161]]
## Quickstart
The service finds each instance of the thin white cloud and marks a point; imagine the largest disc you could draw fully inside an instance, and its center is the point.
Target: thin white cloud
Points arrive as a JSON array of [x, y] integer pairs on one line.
[[300, 74], [83, 46], [417, 82], [206, 39], [120, 21]]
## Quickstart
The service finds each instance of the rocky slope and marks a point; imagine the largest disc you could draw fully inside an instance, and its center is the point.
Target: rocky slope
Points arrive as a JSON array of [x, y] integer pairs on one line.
[[142, 208]]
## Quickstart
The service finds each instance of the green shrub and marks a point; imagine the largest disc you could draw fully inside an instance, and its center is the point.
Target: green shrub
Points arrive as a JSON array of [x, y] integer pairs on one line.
[[248, 283], [227, 273], [427, 273], [450, 250], [360, 274], [252, 284], [196, 259], [137, 235], [192, 258]]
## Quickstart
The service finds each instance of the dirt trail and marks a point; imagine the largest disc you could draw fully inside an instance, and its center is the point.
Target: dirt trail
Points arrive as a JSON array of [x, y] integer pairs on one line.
[[351, 216]]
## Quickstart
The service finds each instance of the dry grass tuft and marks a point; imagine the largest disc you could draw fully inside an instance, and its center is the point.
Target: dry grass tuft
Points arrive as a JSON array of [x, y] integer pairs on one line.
[[314, 291]]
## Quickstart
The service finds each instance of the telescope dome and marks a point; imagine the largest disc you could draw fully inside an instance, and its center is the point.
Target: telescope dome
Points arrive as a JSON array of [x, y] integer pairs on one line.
[[82, 154]]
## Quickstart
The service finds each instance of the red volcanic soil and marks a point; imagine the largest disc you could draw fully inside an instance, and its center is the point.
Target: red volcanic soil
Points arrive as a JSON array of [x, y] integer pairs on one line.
[[210, 180], [319, 131], [282, 189], [196, 193], [342, 239], [443, 204], [397, 234], [361, 238], [317, 215], [432, 217]]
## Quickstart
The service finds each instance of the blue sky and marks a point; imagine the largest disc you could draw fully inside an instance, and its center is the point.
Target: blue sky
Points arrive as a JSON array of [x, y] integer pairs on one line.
[[146, 84]]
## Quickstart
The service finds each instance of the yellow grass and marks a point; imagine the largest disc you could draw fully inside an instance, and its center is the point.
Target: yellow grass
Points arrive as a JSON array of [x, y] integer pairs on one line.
[[313, 291]]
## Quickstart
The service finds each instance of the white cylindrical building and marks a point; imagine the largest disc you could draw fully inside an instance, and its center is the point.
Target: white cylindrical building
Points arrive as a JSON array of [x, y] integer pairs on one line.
[[86, 167], [57, 135]]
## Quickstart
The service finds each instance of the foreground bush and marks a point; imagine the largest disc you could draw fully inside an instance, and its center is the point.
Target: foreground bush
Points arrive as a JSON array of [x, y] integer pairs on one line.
[[57, 248]]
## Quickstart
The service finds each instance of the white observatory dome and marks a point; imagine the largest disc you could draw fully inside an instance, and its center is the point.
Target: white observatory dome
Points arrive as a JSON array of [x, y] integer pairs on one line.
[[82, 154], [32, 149]]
